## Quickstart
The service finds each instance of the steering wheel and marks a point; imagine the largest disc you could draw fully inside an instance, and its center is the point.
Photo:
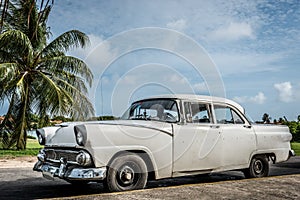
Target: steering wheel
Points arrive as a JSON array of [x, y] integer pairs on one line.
[[170, 117]]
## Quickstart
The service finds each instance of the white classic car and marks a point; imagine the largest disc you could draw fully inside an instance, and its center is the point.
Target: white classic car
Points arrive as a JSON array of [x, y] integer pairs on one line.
[[161, 137]]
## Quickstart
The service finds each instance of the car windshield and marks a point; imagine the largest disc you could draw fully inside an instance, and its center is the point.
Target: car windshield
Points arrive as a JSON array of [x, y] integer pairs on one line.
[[157, 109]]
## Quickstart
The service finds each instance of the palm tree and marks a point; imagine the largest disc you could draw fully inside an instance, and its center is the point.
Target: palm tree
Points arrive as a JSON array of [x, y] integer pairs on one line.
[[266, 118], [36, 76]]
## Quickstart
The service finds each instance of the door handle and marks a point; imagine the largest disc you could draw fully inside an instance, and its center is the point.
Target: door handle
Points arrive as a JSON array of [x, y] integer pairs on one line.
[[247, 126], [214, 126]]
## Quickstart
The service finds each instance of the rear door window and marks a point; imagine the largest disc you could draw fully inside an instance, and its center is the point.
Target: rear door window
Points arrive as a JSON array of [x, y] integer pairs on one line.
[[226, 115]]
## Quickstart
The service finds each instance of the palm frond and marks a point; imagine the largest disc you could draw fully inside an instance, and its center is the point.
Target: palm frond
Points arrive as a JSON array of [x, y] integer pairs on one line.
[[68, 64], [6, 57], [81, 108], [66, 79], [56, 97], [8, 73], [66, 41], [16, 42]]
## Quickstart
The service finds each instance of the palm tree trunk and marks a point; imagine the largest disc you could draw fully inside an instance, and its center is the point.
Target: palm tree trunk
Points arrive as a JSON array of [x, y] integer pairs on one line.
[[4, 9], [22, 121]]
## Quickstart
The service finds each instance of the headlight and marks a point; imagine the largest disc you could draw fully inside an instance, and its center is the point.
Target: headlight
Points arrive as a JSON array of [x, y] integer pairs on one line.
[[80, 135], [79, 138], [41, 136], [83, 158]]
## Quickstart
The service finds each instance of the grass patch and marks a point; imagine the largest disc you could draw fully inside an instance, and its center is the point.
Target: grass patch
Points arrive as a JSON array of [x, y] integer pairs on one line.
[[296, 148], [33, 144], [32, 149]]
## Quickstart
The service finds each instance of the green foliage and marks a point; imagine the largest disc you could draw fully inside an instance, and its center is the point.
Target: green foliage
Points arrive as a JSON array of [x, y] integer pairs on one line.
[[296, 147], [103, 118], [37, 77], [294, 129], [62, 118]]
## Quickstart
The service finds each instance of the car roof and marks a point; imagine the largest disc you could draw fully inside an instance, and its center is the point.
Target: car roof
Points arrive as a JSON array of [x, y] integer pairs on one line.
[[193, 97]]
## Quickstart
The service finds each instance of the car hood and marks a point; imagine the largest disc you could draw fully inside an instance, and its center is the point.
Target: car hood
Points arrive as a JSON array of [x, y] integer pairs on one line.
[[63, 134]]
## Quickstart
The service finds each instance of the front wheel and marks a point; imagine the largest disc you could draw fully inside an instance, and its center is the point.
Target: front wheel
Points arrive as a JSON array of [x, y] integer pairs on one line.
[[259, 167], [126, 172]]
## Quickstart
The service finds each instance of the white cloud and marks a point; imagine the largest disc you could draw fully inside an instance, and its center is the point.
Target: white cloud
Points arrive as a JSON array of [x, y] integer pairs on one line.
[[285, 91], [94, 55], [234, 31], [175, 79], [200, 87], [260, 98], [83, 52], [178, 25], [129, 79], [239, 62]]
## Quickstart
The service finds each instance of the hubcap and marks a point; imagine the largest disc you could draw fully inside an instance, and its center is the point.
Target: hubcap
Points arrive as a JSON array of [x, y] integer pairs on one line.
[[258, 167], [126, 175]]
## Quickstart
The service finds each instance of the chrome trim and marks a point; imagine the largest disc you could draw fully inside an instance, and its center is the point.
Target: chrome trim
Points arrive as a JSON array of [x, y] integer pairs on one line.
[[54, 155], [57, 161], [41, 156], [292, 153], [84, 159], [88, 174]]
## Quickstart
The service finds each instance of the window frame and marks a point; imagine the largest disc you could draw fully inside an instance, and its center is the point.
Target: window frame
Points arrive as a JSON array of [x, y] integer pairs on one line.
[[208, 106], [126, 115], [232, 109]]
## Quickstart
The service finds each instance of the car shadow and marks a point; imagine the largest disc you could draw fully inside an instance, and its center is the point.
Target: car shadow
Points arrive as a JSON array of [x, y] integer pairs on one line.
[[39, 188]]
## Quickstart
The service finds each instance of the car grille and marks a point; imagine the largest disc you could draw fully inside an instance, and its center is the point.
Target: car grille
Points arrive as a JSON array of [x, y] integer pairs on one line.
[[54, 155]]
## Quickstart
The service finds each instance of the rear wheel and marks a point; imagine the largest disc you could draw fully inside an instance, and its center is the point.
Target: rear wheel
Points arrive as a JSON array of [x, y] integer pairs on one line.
[[126, 172], [259, 167]]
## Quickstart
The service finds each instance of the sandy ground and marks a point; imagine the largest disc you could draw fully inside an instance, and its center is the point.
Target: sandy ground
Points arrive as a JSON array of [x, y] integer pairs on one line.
[[17, 162]]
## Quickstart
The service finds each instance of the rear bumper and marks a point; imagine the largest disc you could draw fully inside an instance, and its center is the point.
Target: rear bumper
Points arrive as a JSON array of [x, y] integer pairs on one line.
[[86, 174], [292, 153]]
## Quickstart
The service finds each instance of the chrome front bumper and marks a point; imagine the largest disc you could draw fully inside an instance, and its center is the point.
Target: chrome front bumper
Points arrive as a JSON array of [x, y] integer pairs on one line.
[[85, 174]]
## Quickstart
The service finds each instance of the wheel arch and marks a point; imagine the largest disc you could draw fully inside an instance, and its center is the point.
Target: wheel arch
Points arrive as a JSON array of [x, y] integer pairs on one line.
[[141, 153], [270, 156]]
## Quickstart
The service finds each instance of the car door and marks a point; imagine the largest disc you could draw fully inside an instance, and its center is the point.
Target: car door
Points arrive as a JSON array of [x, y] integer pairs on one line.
[[197, 140], [238, 136]]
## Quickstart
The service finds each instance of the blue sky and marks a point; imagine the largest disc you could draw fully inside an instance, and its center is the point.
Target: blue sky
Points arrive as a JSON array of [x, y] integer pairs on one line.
[[253, 46]]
